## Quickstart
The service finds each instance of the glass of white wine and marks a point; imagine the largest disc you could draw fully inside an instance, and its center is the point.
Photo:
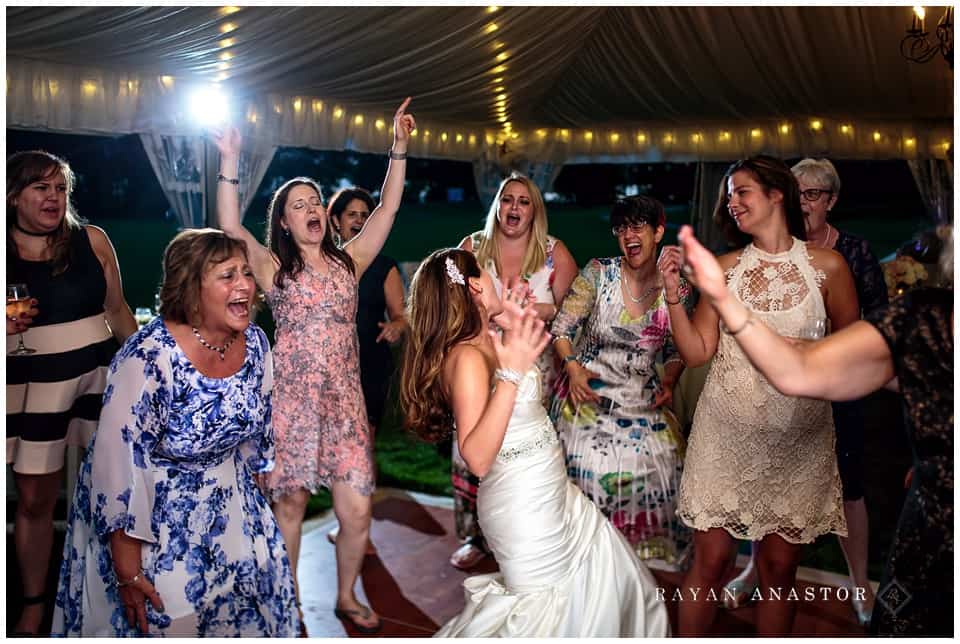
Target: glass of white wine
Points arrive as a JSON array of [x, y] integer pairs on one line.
[[18, 301], [142, 315], [813, 329]]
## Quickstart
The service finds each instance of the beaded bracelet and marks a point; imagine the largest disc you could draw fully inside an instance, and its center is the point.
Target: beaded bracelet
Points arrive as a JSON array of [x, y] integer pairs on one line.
[[235, 182], [397, 156], [508, 375]]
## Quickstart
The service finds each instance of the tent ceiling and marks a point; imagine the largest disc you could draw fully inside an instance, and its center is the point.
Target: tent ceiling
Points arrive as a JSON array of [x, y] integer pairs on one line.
[[566, 66], [577, 83]]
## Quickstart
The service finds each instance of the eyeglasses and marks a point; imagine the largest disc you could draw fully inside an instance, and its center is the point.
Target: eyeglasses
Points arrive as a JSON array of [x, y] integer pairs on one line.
[[622, 229], [812, 194]]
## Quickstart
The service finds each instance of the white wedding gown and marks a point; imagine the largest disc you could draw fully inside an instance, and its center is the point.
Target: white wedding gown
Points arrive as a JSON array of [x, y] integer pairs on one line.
[[565, 571]]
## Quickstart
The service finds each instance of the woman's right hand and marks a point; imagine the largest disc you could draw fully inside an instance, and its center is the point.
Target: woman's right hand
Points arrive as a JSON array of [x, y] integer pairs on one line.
[[227, 141], [22, 322], [134, 598], [702, 267], [525, 340], [669, 265], [579, 377]]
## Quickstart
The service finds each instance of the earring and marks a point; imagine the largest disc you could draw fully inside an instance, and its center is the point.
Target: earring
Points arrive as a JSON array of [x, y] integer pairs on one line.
[[286, 232]]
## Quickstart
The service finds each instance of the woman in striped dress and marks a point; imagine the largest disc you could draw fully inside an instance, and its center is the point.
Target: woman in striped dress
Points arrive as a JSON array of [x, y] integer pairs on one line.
[[54, 394]]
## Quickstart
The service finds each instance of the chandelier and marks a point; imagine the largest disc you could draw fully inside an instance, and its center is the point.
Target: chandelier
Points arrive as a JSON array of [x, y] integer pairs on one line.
[[916, 46]]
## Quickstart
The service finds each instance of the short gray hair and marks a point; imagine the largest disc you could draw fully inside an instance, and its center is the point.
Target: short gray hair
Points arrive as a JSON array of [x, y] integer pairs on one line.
[[822, 172]]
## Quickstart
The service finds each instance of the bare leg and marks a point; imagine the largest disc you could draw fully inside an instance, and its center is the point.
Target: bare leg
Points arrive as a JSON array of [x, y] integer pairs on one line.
[[855, 548], [738, 590], [712, 551], [33, 534], [353, 510], [332, 535], [777, 563], [289, 511]]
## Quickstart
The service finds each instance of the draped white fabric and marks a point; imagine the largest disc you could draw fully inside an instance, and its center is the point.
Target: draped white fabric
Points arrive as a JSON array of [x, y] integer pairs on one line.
[[579, 84], [934, 178], [705, 192], [180, 165], [253, 165]]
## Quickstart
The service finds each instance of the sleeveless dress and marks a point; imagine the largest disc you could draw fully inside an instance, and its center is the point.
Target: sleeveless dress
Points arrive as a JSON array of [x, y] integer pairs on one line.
[[565, 571], [376, 358], [623, 452], [54, 395], [759, 462], [172, 464], [319, 416]]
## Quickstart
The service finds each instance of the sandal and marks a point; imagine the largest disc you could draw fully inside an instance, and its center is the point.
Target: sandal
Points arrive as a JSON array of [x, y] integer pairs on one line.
[[467, 556], [347, 615]]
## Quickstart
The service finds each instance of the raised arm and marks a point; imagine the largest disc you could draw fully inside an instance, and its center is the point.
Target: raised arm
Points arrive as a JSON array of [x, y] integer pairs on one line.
[[482, 417], [695, 337], [367, 244], [228, 208], [843, 366]]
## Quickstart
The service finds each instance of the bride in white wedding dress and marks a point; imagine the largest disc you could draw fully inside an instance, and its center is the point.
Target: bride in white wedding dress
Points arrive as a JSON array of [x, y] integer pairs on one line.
[[565, 571]]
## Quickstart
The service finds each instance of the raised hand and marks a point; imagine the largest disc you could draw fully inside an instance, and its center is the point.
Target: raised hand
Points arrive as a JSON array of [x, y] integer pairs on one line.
[[701, 267], [227, 141], [403, 125], [523, 343], [671, 259]]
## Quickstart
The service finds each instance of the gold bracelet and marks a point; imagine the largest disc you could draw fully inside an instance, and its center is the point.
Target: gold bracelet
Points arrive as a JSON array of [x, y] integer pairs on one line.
[[121, 584]]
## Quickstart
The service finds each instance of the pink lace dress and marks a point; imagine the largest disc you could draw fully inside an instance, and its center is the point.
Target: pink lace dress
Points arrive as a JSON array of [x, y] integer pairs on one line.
[[319, 417]]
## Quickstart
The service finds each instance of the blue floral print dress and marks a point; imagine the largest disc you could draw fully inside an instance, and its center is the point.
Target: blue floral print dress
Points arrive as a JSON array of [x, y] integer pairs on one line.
[[172, 464]]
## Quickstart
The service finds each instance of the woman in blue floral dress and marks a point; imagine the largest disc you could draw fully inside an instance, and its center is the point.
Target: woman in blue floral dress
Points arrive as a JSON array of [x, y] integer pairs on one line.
[[168, 533], [623, 446]]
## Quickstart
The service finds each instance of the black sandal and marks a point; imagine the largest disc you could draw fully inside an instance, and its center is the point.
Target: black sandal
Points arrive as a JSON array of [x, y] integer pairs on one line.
[[31, 600]]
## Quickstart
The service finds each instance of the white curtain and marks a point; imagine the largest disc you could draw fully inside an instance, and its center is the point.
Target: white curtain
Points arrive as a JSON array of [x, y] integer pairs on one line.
[[705, 191], [180, 165], [934, 178]]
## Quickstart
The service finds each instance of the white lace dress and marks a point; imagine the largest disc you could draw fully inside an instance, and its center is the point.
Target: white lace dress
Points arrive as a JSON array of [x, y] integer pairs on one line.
[[759, 462]]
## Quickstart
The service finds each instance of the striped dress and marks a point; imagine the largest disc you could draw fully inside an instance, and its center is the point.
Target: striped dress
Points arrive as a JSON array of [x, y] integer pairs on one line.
[[54, 395]]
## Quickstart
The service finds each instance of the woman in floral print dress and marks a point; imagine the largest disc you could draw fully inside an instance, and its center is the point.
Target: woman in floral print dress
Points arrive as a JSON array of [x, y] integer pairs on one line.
[[622, 445], [168, 533], [323, 438]]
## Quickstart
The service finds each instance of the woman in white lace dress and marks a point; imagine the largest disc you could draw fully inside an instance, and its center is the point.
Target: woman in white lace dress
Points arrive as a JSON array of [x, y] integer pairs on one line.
[[760, 465]]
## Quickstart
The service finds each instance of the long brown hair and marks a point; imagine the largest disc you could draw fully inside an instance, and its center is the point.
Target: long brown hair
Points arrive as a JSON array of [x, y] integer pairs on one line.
[[281, 243], [772, 174], [25, 168], [535, 256], [441, 313]]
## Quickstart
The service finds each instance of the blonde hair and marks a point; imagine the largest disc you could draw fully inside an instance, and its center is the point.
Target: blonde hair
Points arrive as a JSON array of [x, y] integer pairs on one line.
[[535, 256], [441, 314]]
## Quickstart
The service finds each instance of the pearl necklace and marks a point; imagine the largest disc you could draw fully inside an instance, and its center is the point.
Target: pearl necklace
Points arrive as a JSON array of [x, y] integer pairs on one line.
[[221, 350], [646, 294]]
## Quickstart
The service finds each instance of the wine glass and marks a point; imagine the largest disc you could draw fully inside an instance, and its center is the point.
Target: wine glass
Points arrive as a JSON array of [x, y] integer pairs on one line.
[[142, 315], [813, 329], [18, 301]]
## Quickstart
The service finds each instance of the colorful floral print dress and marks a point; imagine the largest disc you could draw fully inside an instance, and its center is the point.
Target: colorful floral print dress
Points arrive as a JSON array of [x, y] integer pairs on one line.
[[624, 453], [172, 464]]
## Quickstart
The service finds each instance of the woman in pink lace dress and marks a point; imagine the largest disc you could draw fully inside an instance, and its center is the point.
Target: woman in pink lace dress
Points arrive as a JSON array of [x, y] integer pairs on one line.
[[319, 417]]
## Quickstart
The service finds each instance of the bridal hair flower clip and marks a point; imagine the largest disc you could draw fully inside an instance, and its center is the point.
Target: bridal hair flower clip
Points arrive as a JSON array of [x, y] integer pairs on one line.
[[456, 277]]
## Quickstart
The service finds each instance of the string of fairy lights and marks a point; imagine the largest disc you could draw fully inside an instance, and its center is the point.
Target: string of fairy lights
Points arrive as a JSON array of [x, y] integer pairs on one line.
[[610, 141]]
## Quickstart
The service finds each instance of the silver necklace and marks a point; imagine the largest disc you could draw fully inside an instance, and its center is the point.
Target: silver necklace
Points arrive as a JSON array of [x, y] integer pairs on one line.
[[826, 241], [221, 350], [637, 300]]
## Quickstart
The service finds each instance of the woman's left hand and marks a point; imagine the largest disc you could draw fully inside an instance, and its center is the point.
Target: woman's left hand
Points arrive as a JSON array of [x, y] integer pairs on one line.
[[134, 598], [403, 125], [391, 331], [664, 395]]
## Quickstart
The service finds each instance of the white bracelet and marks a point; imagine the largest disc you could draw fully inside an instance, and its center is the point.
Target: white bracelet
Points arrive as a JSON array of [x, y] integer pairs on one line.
[[508, 375]]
